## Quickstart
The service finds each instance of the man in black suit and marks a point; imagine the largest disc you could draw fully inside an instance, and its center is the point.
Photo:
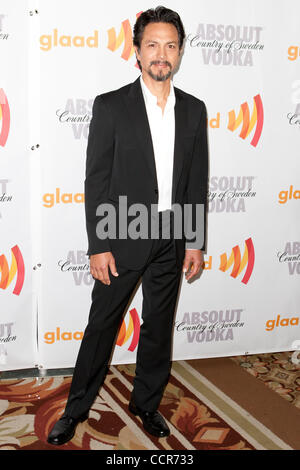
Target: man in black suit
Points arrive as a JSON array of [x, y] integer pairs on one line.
[[147, 146]]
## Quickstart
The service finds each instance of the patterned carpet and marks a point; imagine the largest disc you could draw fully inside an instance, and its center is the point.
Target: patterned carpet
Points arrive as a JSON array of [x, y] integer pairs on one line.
[[200, 416], [277, 371]]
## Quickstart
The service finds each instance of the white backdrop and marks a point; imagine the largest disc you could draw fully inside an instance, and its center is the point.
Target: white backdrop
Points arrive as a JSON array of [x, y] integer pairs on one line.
[[242, 59], [18, 295]]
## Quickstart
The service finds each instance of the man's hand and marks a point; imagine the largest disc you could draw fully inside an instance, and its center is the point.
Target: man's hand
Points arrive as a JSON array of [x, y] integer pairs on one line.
[[194, 258], [99, 266]]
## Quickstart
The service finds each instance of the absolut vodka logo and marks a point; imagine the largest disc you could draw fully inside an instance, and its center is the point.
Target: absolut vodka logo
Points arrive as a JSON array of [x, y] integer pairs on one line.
[[230, 193], [76, 265], [221, 44], [210, 325], [290, 256], [76, 114]]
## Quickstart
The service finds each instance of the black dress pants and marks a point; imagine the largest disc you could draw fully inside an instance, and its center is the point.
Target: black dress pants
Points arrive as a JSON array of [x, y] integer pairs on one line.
[[160, 284]]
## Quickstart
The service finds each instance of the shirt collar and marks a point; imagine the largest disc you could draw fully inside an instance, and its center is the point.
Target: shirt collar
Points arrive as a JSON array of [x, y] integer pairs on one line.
[[151, 99]]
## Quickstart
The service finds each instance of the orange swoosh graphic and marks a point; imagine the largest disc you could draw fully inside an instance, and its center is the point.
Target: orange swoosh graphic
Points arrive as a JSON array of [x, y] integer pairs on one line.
[[17, 267], [238, 262], [248, 123], [133, 329]]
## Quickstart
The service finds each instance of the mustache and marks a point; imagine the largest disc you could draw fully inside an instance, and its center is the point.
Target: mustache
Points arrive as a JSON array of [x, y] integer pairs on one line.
[[157, 62]]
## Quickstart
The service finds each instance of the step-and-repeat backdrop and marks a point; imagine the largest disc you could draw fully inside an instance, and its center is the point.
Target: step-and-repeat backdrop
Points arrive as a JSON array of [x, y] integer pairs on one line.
[[243, 60]]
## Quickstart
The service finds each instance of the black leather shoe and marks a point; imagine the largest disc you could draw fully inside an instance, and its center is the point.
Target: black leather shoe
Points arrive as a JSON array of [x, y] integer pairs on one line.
[[64, 430], [153, 422]]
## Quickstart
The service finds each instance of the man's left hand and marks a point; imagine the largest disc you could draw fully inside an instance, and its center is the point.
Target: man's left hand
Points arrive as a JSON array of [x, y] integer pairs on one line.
[[192, 263]]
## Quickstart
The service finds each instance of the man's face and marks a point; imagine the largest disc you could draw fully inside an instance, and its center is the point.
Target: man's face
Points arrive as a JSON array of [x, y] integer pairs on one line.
[[159, 51]]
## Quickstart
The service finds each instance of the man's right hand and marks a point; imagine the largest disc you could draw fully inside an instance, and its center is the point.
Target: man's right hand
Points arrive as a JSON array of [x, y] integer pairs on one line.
[[99, 266]]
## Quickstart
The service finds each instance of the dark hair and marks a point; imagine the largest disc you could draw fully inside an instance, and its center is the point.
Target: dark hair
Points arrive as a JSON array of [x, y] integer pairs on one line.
[[159, 14]]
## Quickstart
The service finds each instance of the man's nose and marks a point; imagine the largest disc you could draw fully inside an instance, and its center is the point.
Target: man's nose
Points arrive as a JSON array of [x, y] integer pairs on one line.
[[161, 53]]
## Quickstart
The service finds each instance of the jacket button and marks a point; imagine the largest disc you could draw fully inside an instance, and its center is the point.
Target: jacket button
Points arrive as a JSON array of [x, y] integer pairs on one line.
[[156, 191]]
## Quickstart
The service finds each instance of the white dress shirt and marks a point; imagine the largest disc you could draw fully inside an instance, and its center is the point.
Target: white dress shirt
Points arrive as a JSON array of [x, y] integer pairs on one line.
[[162, 127]]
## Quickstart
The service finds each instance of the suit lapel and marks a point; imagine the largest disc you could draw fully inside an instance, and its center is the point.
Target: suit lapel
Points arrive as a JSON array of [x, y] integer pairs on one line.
[[138, 116], [180, 122]]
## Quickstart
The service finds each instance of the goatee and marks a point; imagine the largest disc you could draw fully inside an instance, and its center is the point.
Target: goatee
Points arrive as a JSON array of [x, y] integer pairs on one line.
[[160, 77]]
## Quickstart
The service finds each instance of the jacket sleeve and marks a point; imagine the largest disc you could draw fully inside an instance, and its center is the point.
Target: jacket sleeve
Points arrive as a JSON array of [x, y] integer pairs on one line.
[[197, 186], [100, 151]]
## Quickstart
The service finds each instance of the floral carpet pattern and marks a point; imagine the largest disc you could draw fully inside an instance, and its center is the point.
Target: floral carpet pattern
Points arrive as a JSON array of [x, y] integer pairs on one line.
[[277, 371], [30, 407]]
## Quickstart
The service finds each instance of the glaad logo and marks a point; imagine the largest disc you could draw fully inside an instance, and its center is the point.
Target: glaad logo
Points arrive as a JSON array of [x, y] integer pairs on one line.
[[271, 324], [291, 256], [77, 114], [124, 334], [49, 199], [257, 118], [288, 194], [222, 44], [17, 268], [244, 119], [4, 117], [132, 330], [51, 336], [239, 262], [229, 193], [47, 41], [124, 36], [293, 52]]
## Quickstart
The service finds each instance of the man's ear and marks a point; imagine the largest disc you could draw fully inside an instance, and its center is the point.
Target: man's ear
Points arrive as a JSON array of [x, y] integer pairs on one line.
[[137, 57], [136, 50]]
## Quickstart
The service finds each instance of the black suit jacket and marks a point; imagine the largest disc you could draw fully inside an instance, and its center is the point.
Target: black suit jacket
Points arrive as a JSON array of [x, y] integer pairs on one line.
[[120, 162]]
